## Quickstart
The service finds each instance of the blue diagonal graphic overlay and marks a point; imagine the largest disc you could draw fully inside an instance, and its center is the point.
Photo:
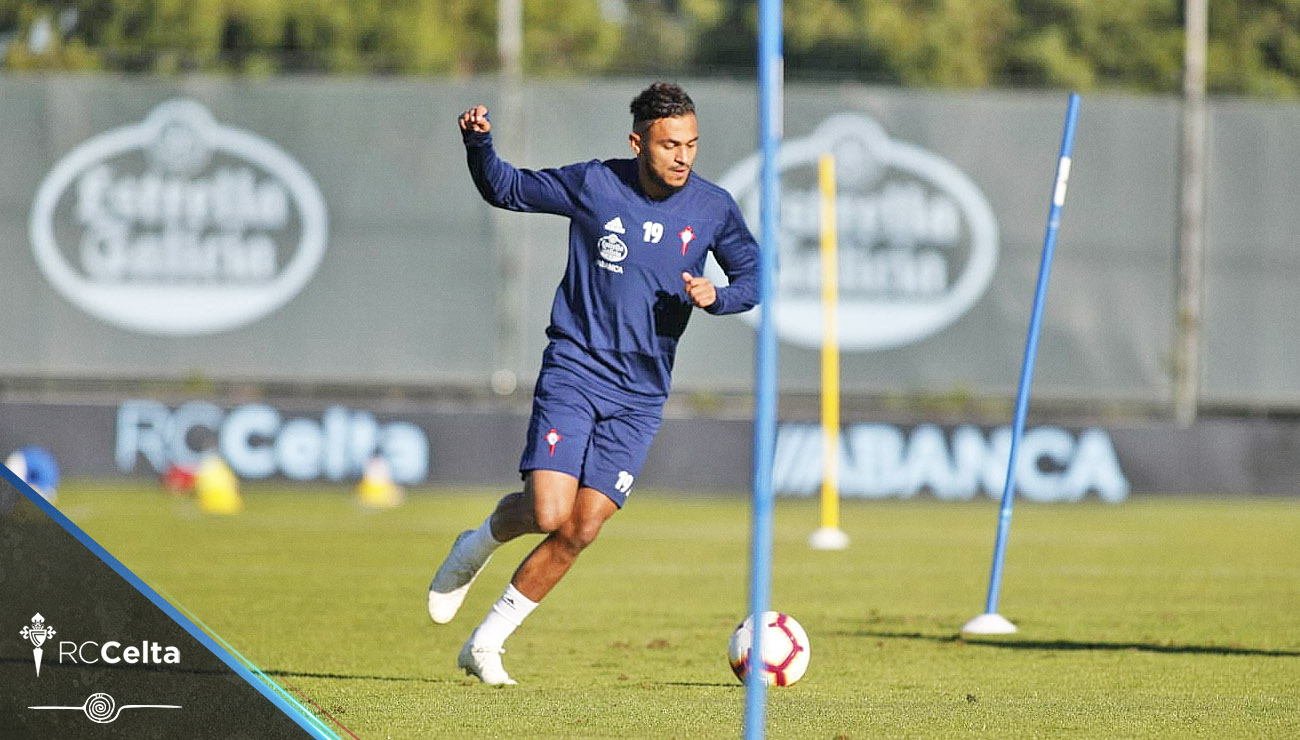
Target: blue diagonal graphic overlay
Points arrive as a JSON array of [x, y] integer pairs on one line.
[[30, 543]]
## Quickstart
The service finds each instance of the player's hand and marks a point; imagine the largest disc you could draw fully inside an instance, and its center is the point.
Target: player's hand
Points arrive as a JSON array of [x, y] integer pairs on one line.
[[700, 290], [476, 119]]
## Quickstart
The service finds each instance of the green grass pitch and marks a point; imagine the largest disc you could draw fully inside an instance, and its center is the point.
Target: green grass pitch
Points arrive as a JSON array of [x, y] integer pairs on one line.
[[1157, 618]]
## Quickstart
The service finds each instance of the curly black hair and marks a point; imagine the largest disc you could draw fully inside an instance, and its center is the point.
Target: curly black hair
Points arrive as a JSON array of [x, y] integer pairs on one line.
[[660, 100]]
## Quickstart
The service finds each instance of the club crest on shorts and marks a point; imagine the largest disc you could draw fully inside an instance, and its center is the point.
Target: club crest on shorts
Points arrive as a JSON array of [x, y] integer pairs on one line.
[[553, 438], [688, 235]]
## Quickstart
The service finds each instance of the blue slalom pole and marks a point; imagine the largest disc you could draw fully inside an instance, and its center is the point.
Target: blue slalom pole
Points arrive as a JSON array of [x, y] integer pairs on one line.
[[765, 358], [1031, 351]]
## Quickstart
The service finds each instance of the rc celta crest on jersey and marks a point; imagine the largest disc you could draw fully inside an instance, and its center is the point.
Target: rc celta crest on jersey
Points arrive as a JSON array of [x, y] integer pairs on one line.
[[178, 225], [918, 242], [687, 236]]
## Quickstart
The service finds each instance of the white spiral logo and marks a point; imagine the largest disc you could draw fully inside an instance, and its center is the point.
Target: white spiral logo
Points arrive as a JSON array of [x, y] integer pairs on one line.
[[100, 708]]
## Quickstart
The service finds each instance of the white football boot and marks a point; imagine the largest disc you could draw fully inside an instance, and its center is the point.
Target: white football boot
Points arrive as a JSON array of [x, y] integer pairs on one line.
[[452, 581], [485, 663]]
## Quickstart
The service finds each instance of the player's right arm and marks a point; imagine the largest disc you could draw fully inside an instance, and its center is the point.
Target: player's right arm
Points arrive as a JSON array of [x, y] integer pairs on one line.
[[505, 186]]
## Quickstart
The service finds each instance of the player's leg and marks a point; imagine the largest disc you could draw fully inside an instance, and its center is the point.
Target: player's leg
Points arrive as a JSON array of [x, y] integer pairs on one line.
[[618, 447], [554, 449], [523, 512], [545, 503], [550, 560], [614, 456], [468, 556], [556, 446], [539, 572]]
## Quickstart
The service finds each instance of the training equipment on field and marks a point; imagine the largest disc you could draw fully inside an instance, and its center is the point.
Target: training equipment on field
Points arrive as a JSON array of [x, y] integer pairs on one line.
[[216, 487], [785, 649], [38, 469], [770, 71], [376, 489], [178, 479], [451, 583], [829, 536], [990, 622]]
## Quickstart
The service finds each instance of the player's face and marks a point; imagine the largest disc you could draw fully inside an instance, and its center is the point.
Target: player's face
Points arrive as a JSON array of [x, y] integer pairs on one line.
[[665, 153]]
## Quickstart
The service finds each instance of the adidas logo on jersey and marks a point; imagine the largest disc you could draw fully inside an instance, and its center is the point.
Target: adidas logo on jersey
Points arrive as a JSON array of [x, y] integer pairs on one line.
[[615, 225]]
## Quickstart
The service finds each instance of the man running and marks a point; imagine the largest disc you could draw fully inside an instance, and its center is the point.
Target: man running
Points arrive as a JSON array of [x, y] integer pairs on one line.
[[639, 232]]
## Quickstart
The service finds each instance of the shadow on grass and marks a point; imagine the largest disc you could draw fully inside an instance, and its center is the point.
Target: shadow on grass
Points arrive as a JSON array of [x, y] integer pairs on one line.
[[1145, 647], [359, 677], [149, 668], [421, 679], [124, 667]]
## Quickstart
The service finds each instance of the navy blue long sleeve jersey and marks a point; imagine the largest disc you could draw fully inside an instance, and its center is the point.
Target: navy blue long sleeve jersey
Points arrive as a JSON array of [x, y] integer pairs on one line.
[[622, 304]]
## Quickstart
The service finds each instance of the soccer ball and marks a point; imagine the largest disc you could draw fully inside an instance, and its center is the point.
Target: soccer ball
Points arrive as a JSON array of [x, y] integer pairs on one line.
[[785, 649]]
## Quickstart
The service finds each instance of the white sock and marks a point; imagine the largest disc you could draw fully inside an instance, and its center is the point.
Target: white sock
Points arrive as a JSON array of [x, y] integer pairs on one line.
[[507, 614], [481, 544]]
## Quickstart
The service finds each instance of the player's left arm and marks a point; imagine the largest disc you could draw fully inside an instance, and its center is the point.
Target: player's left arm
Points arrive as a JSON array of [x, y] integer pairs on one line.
[[737, 254]]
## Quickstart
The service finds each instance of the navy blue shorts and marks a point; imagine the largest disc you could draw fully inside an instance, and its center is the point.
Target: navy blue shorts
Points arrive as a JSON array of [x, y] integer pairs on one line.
[[600, 442]]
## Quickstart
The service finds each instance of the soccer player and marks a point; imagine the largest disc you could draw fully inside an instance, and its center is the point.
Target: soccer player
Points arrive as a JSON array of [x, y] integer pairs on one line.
[[639, 232]]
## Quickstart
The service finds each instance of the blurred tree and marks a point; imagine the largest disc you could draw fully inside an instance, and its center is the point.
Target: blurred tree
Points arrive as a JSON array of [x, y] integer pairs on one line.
[[1082, 44], [569, 36], [1255, 47], [332, 36], [943, 42]]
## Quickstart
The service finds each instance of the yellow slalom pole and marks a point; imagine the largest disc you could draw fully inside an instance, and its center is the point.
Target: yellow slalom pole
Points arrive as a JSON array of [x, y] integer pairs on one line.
[[829, 536]]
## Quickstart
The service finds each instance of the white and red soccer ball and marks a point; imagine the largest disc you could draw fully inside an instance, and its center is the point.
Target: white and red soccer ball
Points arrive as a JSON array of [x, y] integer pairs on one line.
[[785, 649]]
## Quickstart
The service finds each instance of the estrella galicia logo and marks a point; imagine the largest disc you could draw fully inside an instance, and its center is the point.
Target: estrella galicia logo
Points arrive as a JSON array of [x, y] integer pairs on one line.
[[918, 242], [37, 633], [178, 225], [612, 248]]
